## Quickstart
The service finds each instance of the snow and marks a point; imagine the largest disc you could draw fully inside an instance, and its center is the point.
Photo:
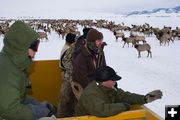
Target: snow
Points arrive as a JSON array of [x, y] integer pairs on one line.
[[139, 75]]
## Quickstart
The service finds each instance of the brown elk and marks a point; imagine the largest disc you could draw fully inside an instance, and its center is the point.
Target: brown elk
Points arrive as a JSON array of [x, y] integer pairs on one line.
[[43, 35], [138, 38], [118, 34], [128, 40], [143, 47], [164, 37]]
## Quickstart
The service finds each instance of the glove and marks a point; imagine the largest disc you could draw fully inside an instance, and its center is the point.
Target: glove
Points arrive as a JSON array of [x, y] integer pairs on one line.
[[50, 107], [100, 50], [39, 111], [30, 100], [154, 95], [127, 106]]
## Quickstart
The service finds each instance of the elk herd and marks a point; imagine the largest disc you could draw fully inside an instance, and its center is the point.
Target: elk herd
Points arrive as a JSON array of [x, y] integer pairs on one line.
[[137, 36]]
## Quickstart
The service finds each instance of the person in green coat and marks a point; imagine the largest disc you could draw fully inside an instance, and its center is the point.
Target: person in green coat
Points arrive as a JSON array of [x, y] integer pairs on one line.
[[100, 98], [20, 46]]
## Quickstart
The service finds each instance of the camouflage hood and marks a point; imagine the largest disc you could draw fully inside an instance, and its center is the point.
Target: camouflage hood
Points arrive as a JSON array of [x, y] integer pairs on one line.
[[16, 43]]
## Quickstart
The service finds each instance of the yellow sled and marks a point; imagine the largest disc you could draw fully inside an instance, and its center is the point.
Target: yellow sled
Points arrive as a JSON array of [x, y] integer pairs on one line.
[[46, 81]]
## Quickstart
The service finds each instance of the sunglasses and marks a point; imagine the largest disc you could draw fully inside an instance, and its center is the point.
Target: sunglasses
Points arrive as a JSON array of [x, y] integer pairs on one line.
[[34, 45]]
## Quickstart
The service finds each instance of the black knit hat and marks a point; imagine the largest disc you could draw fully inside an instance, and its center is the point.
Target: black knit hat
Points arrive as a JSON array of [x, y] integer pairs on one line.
[[70, 38], [93, 35], [34, 45], [85, 31], [105, 73]]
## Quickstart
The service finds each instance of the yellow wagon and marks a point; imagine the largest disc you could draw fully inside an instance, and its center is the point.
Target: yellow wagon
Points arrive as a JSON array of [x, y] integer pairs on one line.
[[46, 81]]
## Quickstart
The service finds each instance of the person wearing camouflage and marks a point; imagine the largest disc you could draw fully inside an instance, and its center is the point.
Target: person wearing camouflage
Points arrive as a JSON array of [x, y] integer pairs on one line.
[[67, 99], [64, 108]]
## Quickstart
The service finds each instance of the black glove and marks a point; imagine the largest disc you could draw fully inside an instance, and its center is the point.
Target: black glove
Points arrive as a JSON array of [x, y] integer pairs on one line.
[[154, 95]]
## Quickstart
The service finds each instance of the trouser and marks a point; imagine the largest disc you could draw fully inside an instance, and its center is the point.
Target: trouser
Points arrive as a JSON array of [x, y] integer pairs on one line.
[[67, 101]]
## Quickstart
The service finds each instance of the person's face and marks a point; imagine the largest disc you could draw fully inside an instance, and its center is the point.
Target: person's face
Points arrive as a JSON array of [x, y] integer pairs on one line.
[[31, 53], [109, 83], [99, 43]]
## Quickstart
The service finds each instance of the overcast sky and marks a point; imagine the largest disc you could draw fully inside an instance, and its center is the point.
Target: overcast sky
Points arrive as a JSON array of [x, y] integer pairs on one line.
[[115, 6]]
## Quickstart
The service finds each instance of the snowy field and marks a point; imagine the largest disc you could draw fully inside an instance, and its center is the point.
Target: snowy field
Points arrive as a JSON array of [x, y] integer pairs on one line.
[[139, 75]]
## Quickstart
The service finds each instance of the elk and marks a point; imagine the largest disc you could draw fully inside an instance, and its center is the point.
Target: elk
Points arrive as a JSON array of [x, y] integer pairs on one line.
[[138, 38], [143, 47], [164, 37], [128, 40], [43, 35], [118, 34]]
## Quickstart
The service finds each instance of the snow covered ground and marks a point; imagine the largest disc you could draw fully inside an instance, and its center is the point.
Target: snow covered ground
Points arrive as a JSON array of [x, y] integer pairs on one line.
[[139, 75]]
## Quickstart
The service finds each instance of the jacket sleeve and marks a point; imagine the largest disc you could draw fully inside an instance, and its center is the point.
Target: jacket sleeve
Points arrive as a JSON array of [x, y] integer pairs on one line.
[[67, 59], [11, 107], [98, 107], [67, 62], [104, 60], [130, 98], [80, 71], [101, 60]]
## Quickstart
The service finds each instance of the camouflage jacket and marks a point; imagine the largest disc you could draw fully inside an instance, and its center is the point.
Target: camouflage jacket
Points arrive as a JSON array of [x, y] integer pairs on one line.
[[67, 62]]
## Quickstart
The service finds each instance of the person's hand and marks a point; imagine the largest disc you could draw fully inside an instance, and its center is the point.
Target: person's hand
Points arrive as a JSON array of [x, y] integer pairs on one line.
[[39, 111], [50, 107], [154, 95]]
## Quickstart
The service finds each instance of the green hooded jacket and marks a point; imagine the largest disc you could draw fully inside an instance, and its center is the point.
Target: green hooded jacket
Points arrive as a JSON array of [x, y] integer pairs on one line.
[[101, 101], [14, 61]]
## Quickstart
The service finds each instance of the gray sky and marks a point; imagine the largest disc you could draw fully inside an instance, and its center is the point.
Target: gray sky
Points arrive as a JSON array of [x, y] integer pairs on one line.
[[116, 6]]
